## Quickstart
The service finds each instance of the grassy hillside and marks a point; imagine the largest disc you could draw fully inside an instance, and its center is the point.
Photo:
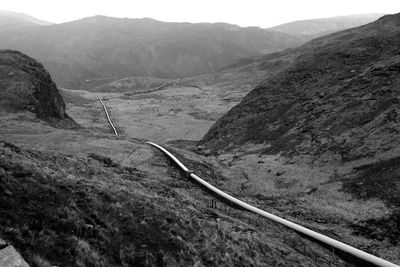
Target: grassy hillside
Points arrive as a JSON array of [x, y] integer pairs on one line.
[[334, 110], [338, 98], [87, 210]]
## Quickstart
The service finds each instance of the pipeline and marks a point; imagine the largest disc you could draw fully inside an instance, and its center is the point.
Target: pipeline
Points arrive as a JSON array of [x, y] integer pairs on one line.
[[310, 233], [108, 117]]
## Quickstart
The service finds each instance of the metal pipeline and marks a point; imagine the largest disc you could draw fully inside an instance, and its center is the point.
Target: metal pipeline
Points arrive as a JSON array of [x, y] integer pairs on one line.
[[317, 236], [108, 117]]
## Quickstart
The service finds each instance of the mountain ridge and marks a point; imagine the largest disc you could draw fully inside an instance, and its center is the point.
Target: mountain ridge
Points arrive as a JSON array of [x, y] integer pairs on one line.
[[323, 26], [101, 46], [14, 20]]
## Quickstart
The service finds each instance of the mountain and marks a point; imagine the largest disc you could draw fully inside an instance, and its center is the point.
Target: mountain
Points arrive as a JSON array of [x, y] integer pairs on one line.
[[324, 26], [338, 98], [103, 47], [23, 17], [25, 84], [11, 21]]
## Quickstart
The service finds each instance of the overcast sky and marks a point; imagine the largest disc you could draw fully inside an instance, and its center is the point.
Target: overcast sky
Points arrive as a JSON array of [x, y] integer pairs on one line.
[[263, 13]]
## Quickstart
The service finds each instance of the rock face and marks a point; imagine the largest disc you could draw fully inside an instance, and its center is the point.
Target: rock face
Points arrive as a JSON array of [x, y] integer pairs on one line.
[[340, 96], [24, 83]]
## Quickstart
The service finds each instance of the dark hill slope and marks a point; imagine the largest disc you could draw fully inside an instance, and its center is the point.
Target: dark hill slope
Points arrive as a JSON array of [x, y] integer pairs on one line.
[[99, 47], [339, 96], [25, 84]]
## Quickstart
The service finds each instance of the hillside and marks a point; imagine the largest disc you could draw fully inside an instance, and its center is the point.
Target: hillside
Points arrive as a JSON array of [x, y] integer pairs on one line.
[[103, 47], [338, 98], [324, 26], [323, 133]]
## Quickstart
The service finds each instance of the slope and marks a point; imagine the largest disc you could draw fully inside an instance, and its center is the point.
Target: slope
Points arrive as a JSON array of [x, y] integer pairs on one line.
[[339, 97]]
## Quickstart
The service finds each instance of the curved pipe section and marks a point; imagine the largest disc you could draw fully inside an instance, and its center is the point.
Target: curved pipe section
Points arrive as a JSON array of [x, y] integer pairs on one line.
[[108, 117], [324, 239]]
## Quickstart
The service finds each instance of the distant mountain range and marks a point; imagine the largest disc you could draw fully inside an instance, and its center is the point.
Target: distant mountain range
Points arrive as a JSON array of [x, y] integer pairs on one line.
[[102, 47], [99, 47], [338, 97], [324, 26], [11, 21]]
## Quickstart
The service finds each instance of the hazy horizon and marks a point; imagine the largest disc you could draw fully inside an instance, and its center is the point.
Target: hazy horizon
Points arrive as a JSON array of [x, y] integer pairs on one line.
[[243, 13]]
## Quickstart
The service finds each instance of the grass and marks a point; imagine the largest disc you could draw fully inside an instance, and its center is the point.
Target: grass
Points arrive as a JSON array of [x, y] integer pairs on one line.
[[69, 210], [313, 196], [379, 180]]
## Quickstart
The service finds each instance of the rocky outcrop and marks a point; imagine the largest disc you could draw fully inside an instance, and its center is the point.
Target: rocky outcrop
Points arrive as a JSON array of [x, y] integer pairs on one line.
[[25, 84]]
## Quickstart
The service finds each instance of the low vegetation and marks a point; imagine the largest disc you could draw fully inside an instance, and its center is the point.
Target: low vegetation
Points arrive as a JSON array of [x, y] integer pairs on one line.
[[65, 210]]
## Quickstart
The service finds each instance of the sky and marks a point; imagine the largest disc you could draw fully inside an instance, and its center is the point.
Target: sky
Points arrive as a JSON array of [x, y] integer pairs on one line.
[[262, 13]]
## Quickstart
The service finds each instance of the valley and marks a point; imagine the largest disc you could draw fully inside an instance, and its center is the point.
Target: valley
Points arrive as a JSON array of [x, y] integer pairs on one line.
[[297, 188], [87, 184], [183, 110], [307, 133]]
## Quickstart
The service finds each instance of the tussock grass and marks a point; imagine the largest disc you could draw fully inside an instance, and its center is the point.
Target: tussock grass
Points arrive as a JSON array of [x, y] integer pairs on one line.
[[78, 211]]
